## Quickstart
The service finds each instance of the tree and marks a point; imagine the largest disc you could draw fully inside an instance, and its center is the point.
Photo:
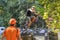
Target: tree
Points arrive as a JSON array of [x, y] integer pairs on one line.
[[17, 9], [52, 9]]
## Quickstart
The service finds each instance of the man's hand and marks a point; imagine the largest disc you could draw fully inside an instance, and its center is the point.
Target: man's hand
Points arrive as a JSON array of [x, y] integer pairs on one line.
[[19, 38]]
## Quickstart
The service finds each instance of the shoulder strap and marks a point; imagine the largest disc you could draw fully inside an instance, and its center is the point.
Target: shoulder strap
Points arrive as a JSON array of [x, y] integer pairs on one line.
[[16, 29]]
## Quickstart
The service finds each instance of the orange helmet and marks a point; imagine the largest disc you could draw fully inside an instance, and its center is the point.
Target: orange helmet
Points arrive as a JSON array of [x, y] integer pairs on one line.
[[12, 21]]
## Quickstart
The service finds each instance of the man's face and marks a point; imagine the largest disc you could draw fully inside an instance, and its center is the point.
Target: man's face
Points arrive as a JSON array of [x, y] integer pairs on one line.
[[33, 9]]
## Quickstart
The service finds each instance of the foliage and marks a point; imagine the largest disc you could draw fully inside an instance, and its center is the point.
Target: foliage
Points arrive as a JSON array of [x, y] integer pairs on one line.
[[52, 8], [49, 9], [16, 9]]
